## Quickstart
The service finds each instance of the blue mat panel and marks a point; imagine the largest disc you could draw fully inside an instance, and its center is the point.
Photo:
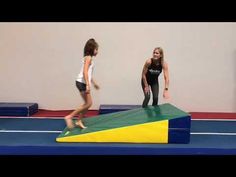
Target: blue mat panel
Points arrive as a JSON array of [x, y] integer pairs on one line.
[[183, 122], [179, 136], [113, 150], [110, 108], [43, 143], [18, 109], [179, 130]]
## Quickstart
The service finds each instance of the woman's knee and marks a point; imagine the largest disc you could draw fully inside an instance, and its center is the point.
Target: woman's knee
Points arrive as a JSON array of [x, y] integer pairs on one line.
[[155, 98], [88, 104], [147, 96]]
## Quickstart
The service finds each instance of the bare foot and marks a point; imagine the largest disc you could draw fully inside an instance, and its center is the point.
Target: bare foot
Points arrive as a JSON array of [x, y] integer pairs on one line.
[[80, 124], [69, 123]]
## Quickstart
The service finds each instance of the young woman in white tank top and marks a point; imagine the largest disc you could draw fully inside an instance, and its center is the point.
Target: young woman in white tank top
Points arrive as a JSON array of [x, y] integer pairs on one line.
[[83, 83]]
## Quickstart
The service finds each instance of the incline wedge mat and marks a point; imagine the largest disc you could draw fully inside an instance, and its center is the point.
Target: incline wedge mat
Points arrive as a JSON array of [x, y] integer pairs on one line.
[[159, 124]]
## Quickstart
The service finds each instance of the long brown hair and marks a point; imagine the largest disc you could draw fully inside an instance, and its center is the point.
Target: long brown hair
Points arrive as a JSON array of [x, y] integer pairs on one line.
[[90, 46], [162, 54]]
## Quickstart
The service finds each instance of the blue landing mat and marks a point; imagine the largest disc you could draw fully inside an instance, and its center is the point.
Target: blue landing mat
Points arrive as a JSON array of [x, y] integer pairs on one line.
[[37, 137]]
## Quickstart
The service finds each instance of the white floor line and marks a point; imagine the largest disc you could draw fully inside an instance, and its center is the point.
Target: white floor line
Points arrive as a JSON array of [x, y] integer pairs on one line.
[[28, 131], [212, 133], [46, 131]]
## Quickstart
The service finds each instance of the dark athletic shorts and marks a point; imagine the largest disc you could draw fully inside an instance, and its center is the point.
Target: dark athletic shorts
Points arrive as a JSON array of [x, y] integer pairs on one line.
[[81, 86]]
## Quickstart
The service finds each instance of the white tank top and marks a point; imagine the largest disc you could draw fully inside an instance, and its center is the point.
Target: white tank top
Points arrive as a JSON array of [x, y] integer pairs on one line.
[[80, 77]]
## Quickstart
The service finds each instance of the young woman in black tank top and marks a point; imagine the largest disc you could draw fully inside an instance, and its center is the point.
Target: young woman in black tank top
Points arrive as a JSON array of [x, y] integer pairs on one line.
[[150, 74]]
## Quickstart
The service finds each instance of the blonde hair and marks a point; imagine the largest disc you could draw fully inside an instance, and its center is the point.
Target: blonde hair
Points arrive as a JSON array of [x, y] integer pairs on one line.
[[162, 54]]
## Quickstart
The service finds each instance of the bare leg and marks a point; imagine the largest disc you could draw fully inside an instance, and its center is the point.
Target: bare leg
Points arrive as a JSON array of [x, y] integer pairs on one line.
[[81, 110], [79, 121], [81, 115]]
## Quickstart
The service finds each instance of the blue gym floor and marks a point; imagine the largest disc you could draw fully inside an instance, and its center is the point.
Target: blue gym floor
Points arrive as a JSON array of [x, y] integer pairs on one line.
[[31, 136]]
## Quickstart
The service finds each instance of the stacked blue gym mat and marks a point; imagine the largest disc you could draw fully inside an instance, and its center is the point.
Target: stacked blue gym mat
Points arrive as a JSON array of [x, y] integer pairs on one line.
[[110, 108], [18, 109]]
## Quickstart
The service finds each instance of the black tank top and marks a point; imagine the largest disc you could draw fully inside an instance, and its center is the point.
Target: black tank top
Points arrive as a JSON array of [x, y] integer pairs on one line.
[[154, 70]]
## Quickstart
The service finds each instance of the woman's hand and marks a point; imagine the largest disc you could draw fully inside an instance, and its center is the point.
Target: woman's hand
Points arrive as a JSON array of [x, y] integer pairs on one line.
[[166, 94], [87, 89], [146, 90], [96, 86]]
